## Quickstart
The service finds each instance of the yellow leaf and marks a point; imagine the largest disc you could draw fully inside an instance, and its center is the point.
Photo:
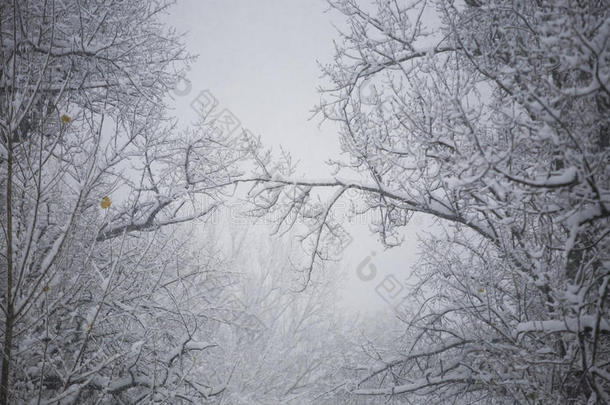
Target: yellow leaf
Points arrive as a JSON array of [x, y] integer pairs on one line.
[[105, 203], [65, 119], [480, 290], [45, 288]]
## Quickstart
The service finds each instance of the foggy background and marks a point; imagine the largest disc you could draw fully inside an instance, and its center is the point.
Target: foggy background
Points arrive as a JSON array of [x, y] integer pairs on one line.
[[258, 59]]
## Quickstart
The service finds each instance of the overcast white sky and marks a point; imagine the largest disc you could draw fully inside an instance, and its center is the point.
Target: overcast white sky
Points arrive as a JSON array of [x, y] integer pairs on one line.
[[258, 58]]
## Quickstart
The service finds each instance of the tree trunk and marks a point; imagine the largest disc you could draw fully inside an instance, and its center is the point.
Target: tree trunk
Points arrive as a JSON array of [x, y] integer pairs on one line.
[[8, 324]]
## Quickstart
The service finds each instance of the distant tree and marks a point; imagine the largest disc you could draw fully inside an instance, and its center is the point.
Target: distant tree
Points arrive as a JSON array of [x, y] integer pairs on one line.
[[281, 346], [493, 117]]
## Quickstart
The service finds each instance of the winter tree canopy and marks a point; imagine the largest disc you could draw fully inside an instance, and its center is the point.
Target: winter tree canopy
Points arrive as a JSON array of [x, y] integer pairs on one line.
[[493, 117], [490, 117]]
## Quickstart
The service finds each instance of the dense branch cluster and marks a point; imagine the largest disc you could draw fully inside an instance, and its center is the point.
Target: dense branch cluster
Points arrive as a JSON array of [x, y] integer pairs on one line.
[[494, 117], [103, 296]]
